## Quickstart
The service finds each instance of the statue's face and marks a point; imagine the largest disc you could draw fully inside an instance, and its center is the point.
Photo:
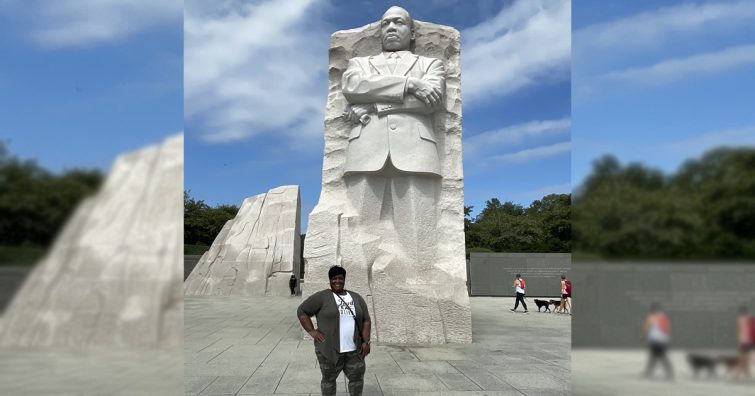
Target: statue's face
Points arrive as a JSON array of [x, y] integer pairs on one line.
[[396, 30]]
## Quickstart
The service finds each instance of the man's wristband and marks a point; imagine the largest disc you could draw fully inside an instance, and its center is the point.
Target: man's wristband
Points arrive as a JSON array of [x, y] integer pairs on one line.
[[366, 342]]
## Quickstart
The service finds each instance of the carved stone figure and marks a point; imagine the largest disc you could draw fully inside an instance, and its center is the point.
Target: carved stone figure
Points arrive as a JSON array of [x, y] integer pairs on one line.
[[391, 96], [391, 207]]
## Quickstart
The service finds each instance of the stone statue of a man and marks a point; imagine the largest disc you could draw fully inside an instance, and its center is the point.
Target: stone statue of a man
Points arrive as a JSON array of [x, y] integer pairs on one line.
[[391, 210], [392, 168]]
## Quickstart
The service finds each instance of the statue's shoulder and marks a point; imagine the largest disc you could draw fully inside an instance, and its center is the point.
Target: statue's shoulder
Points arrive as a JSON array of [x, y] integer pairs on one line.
[[362, 59], [426, 62], [429, 59]]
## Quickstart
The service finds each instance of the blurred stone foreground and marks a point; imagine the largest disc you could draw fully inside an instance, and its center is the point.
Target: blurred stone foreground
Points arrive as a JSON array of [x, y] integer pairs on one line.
[[114, 276]]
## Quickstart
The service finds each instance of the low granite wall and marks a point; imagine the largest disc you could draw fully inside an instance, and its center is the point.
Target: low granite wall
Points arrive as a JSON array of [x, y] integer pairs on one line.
[[701, 299], [492, 274]]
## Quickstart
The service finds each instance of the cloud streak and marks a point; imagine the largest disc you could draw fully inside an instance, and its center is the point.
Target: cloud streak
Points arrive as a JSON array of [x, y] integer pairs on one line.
[[71, 23], [514, 134], [672, 70], [535, 153], [526, 43], [696, 145], [253, 69], [652, 28]]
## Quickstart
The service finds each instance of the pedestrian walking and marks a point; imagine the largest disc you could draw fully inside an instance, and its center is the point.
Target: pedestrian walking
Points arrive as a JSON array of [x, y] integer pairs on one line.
[[519, 287], [292, 284], [746, 338], [565, 295], [657, 330], [342, 337]]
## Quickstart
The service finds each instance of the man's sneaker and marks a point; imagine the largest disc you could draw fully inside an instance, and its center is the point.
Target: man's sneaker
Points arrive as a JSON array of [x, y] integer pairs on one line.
[[512, 310], [526, 311]]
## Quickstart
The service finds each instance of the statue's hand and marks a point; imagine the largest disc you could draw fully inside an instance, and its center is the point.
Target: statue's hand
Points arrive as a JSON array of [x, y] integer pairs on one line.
[[424, 91], [354, 113]]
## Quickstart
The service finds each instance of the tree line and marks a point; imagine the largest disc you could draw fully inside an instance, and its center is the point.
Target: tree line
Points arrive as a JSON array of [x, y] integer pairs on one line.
[[202, 222], [542, 227], [706, 209], [34, 202]]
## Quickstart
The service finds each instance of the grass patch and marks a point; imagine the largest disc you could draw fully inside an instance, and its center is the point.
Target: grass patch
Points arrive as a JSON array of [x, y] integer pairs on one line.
[[195, 249], [26, 255]]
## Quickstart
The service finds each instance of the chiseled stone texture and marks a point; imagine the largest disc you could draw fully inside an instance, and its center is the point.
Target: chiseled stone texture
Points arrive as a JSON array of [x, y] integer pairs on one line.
[[417, 302], [256, 252], [113, 276]]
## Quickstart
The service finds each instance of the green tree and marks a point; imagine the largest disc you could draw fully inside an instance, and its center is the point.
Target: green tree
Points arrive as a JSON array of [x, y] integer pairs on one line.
[[34, 202], [705, 210], [202, 223], [508, 227]]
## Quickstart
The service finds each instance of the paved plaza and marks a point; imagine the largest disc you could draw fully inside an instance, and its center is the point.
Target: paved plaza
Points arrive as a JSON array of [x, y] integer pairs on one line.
[[617, 372], [90, 371], [253, 346]]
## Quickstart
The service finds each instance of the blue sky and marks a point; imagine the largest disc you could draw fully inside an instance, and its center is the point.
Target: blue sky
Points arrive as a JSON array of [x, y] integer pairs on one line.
[[661, 82], [86, 80], [658, 82], [254, 118]]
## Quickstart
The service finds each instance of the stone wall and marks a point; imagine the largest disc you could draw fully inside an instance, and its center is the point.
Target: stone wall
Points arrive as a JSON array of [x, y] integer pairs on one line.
[[492, 274], [701, 300]]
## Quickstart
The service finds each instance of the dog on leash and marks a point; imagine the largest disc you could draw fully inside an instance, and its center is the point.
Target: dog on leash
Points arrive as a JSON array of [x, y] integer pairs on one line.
[[700, 362], [542, 303], [730, 362], [709, 363], [556, 304]]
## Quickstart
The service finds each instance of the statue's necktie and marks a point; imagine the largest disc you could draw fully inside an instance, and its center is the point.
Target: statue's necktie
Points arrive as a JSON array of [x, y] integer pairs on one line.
[[393, 61]]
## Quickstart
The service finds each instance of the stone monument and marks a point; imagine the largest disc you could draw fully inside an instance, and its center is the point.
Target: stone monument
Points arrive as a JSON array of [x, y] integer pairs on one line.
[[256, 252], [113, 276], [391, 209]]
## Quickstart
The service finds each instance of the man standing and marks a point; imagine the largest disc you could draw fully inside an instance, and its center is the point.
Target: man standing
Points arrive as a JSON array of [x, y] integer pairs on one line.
[[342, 337], [519, 287], [657, 330], [392, 169], [292, 285]]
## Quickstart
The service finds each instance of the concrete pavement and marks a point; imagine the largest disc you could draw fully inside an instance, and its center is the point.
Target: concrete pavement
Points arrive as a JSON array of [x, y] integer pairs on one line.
[[253, 346], [618, 372]]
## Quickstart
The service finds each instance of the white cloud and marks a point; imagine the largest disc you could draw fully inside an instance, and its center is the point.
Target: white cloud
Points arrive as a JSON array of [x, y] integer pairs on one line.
[[535, 153], [524, 43], [678, 69], [490, 140], [66, 23], [696, 145], [650, 29], [253, 68]]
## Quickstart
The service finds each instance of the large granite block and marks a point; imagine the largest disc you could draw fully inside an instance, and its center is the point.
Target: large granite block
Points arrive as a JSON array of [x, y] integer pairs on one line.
[[113, 276], [256, 252]]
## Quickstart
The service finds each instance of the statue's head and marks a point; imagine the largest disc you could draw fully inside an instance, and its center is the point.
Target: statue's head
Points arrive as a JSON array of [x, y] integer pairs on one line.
[[396, 29]]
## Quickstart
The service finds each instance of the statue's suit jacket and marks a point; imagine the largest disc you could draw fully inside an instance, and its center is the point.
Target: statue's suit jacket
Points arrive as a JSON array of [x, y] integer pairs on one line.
[[402, 129]]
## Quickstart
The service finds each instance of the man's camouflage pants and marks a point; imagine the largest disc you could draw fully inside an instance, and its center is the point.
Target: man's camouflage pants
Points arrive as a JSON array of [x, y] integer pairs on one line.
[[352, 366]]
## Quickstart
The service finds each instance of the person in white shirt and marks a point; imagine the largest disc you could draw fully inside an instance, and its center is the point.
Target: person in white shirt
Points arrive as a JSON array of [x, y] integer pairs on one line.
[[519, 287], [657, 331]]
